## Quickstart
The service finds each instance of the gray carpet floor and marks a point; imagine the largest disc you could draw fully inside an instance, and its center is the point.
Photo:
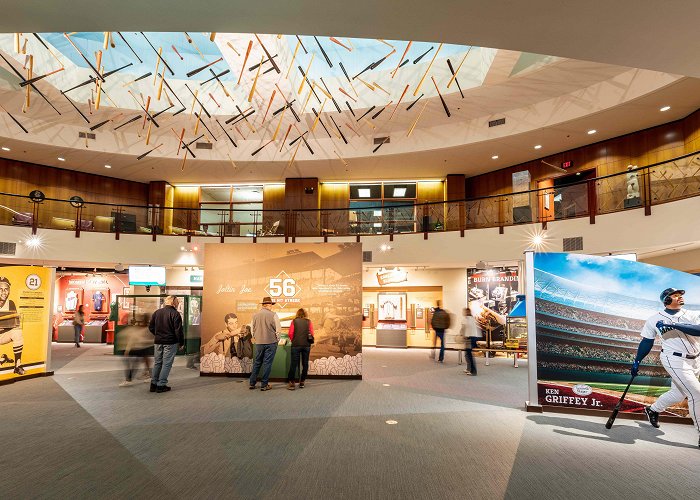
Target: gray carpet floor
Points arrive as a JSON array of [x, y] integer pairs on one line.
[[78, 435]]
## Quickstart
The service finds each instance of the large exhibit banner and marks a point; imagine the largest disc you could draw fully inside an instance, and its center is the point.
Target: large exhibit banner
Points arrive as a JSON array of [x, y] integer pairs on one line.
[[25, 302], [589, 312], [323, 278], [491, 295]]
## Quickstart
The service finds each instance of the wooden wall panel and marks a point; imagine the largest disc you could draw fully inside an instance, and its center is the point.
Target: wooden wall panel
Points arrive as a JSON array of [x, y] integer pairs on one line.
[[426, 192], [296, 197], [645, 147], [20, 178], [335, 196], [185, 197], [273, 207]]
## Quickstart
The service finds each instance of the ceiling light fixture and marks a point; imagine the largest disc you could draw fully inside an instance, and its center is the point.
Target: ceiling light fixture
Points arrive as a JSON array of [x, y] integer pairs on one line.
[[539, 146], [61, 159], [592, 131], [34, 242], [665, 108], [5, 149], [108, 166], [494, 157]]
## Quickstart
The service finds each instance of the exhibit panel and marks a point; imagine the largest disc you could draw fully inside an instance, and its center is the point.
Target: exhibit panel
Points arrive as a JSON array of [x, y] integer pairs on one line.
[[25, 306], [95, 292], [589, 313], [323, 278], [399, 316], [491, 296]]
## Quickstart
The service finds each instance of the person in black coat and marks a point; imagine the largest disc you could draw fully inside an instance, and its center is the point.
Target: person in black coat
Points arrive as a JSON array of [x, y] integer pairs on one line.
[[166, 327], [300, 332]]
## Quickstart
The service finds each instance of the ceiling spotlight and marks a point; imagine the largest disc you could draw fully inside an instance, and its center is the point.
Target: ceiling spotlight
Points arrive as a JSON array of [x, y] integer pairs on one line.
[[592, 131], [665, 108], [494, 157], [384, 247], [539, 146], [34, 242], [108, 166], [5, 149], [61, 159]]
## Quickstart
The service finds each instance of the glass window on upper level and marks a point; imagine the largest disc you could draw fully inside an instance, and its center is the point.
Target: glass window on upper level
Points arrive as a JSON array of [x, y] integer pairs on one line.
[[382, 208], [233, 210]]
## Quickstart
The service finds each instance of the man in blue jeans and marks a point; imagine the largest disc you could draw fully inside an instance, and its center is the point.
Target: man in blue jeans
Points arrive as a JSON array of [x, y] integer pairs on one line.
[[440, 322], [266, 333], [166, 326]]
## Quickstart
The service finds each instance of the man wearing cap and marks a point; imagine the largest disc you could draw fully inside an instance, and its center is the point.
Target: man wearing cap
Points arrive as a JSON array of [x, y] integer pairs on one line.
[[679, 329], [266, 333], [10, 330]]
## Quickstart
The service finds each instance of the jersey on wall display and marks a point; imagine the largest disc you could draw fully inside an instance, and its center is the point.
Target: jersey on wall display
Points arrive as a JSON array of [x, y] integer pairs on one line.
[[323, 278], [491, 296], [591, 314], [24, 320]]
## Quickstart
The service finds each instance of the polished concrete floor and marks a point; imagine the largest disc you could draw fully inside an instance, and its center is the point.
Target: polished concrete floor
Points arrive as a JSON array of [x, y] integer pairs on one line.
[[78, 435]]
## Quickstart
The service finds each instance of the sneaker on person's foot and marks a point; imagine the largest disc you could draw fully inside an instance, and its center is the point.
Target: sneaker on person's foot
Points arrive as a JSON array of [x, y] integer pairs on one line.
[[266, 387], [154, 387], [126, 383], [301, 385], [252, 387], [163, 388], [291, 386], [653, 416]]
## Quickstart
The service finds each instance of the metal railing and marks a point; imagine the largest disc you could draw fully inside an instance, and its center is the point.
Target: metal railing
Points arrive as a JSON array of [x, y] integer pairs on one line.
[[641, 188]]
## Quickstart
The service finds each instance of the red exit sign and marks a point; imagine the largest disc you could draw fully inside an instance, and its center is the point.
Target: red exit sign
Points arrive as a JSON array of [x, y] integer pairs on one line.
[[567, 164]]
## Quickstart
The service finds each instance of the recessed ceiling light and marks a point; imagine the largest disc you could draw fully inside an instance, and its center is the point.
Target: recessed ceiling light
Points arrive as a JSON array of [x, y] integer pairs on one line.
[[494, 157], [5, 149], [61, 159], [539, 146], [592, 131], [108, 166], [665, 108]]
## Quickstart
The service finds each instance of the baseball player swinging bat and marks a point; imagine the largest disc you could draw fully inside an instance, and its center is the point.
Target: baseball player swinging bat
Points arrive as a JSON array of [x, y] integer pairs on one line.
[[616, 410]]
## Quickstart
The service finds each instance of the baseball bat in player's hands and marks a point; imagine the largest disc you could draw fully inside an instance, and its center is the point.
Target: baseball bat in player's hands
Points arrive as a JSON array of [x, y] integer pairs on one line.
[[9, 316], [616, 410]]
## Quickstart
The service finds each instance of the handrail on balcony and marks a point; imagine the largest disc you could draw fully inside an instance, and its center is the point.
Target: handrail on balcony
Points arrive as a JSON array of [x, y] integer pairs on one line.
[[669, 183]]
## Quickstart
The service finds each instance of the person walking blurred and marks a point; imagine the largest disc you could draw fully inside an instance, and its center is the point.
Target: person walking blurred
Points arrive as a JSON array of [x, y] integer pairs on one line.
[[301, 332], [472, 334], [440, 322], [78, 323]]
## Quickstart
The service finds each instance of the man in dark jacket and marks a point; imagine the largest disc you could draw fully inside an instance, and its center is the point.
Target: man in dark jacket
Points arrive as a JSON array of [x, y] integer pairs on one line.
[[440, 322], [166, 326]]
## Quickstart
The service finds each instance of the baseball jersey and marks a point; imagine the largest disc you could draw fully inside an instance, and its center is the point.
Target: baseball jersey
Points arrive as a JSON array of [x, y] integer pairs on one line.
[[97, 299], [71, 300], [674, 340], [8, 309]]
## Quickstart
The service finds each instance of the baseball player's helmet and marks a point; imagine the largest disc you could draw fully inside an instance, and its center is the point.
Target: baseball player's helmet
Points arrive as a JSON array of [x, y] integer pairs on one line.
[[665, 296]]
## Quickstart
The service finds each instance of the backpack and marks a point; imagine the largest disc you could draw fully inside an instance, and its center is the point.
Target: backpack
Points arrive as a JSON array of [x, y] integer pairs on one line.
[[441, 320]]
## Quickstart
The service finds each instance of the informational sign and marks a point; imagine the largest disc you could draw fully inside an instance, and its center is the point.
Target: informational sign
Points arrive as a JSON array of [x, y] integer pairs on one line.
[[386, 276], [324, 279], [589, 312], [25, 301], [491, 296]]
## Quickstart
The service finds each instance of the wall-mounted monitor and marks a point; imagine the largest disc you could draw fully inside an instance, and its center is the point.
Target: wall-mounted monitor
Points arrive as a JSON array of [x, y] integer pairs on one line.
[[147, 275]]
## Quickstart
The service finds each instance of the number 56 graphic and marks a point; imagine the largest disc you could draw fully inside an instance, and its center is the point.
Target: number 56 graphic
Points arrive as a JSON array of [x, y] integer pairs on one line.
[[282, 287]]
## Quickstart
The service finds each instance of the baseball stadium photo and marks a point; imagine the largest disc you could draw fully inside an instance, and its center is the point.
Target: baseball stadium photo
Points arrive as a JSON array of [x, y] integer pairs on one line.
[[589, 314]]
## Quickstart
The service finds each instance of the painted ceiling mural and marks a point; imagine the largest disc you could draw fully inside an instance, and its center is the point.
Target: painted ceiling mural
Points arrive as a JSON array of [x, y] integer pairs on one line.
[[245, 95]]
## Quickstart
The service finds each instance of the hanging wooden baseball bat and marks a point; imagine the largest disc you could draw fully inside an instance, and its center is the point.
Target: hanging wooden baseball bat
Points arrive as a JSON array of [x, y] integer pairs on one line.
[[97, 73], [335, 40], [233, 49], [15, 120], [195, 71], [444, 104], [397, 104], [272, 97], [176, 52], [301, 87], [160, 51], [296, 49], [410, 131], [245, 59], [255, 82], [140, 157], [454, 76], [212, 35], [452, 72], [330, 64], [29, 77], [393, 73], [38, 78], [348, 95], [274, 64], [415, 92]]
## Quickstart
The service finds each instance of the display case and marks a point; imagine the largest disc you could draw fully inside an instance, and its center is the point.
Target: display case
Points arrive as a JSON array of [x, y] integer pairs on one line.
[[136, 310], [391, 334], [94, 332]]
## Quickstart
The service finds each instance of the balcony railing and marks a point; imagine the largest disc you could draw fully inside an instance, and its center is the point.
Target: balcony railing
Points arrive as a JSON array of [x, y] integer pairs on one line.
[[641, 188]]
